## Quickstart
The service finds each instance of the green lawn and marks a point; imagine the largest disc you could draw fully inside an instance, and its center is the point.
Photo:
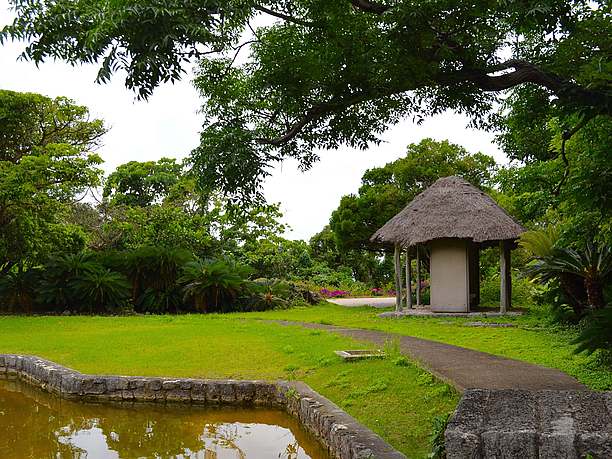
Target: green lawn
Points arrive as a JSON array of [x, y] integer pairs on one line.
[[397, 401], [533, 339]]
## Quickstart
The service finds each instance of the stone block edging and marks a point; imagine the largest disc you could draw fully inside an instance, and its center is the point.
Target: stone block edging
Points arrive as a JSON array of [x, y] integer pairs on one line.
[[543, 424], [344, 437]]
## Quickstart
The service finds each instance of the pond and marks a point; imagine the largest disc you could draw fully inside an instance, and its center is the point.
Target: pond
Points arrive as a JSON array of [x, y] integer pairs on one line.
[[34, 424]]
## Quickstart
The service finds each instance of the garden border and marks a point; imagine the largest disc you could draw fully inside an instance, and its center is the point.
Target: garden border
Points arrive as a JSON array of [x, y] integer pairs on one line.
[[344, 437]]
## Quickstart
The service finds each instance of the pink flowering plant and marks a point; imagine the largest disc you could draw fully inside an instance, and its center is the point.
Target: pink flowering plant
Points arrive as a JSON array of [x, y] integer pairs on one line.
[[333, 293]]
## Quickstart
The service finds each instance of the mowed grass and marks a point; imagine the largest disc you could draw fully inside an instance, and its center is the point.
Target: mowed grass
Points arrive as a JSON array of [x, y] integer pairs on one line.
[[533, 339], [394, 398]]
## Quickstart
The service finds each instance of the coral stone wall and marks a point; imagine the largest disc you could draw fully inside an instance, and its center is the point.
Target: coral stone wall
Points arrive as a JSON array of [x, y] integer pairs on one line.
[[344, 437]]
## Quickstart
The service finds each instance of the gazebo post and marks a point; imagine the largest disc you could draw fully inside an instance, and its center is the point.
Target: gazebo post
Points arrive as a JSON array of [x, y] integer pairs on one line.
[[505, 291], [408, 279], [418, 277], [398, 278]]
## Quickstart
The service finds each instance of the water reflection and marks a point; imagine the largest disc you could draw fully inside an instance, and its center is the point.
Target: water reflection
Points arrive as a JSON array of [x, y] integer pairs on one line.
[[37, 425]]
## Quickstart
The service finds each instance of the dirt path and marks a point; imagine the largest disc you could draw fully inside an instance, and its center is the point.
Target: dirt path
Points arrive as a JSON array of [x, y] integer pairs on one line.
[[461, 367]]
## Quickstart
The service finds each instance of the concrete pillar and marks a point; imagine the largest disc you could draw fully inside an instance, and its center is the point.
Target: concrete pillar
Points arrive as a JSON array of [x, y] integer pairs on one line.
[[474, 274], [408, 279], [398, 278], [505, 291], [418, 277]]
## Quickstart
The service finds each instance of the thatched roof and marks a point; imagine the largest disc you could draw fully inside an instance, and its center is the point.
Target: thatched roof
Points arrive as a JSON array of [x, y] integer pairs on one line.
[[450, 208]]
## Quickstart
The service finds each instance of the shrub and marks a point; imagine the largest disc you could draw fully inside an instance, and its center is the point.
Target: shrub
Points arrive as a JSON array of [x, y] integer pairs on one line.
[[17, 290], [153, 273], [264, 294], [213, 285], [56, 288], [101, 290], [333, 293], [436, 439], [582, 275], [596, 333]]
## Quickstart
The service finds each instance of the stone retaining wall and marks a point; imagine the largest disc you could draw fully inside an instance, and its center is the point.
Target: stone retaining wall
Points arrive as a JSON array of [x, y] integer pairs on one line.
[[344, 437], [545, 424]]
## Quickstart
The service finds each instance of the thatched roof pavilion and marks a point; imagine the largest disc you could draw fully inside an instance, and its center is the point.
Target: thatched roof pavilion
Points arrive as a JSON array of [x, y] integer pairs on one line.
[[454, 219]]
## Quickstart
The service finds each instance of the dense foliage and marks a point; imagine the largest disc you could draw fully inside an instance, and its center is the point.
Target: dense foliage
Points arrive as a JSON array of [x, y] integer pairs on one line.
[[355, 67], [285, 80], [46, 161]]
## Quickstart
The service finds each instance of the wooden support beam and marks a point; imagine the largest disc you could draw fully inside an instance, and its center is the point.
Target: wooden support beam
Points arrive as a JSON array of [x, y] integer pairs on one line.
[[505, 290], [418, 277], [398, 278], [408, 279]]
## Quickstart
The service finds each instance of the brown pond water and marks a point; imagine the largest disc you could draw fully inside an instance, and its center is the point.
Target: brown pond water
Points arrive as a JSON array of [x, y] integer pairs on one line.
[[34, 424]]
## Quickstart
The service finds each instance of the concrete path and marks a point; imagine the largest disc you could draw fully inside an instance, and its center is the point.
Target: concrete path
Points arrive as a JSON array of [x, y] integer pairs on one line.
[[464, 368], [376, 302]]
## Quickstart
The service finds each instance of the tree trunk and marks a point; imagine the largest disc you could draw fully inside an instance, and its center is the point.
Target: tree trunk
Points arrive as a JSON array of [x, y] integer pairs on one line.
[[594, 293], [574, 290], [200, 303]]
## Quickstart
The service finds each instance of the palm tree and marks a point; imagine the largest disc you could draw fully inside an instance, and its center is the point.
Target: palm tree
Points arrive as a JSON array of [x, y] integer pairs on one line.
[[216, 281]]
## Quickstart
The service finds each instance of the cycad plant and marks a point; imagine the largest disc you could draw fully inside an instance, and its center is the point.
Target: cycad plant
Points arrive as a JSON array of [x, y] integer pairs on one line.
[[55, 286], [597, 334], [213, 284], [153, 274], [269, 294], [101, 289], [581, 274], [17, 290]]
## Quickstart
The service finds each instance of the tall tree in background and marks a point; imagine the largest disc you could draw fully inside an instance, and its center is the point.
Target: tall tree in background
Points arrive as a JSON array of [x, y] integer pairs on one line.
[[386, 190], [142, 183], [331, 73], [46, 159]]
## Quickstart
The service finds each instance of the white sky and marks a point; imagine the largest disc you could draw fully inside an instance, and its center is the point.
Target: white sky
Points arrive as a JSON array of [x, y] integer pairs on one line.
[[168, 125]]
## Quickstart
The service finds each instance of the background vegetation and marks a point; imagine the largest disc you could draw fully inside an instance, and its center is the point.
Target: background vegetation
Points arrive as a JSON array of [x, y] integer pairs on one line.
[[155, 242]]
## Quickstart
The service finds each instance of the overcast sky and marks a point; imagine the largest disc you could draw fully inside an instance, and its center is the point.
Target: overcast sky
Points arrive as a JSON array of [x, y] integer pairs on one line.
[[168, 125]]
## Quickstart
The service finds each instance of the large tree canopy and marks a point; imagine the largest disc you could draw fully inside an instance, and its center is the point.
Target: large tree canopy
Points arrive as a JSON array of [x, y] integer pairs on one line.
[[330, 73], [45, 160]]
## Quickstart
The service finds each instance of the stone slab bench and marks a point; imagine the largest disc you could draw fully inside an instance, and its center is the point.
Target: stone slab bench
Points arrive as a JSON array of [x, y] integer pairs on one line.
[[531, 424], [344, 437]]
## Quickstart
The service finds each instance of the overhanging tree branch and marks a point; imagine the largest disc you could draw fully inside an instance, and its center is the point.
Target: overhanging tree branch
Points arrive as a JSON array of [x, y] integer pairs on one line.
[[370, 7], [313, 114], [526, 72], [567, 134], [283, 16]]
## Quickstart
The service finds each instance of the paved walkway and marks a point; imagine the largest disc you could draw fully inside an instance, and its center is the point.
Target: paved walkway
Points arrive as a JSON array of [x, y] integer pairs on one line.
[[376, 302], [464, 368], [427, 312]]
